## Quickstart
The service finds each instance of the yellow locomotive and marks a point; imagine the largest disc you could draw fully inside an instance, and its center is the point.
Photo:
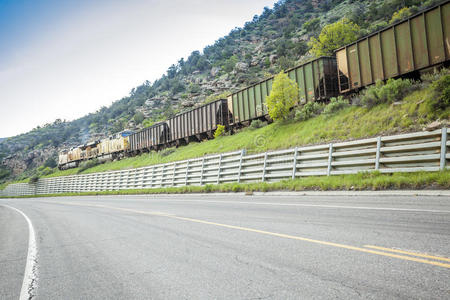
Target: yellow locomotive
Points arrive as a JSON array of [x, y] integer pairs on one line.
[[110, 148]]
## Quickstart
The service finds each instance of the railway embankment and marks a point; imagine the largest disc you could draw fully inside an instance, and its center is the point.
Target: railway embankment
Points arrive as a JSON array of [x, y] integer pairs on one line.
[[415, 109]]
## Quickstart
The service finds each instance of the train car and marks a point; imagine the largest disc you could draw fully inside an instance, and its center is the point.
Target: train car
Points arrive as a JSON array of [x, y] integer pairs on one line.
[[200, 122], [114, 146], [150, 138], [416, 43], [69, 158], [316, 79]]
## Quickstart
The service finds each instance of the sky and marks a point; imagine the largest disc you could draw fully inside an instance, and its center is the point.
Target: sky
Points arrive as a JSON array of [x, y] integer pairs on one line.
[[62, 59]]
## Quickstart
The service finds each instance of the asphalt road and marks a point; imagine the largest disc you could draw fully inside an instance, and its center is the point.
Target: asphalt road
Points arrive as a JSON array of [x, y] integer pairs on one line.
[[227, 247]]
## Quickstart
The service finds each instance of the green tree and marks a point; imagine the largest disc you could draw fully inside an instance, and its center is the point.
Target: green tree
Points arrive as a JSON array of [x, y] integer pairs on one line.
[[334, 36], [230, 63], [400, 15], [219, 131], [138, 117], [283, 97]]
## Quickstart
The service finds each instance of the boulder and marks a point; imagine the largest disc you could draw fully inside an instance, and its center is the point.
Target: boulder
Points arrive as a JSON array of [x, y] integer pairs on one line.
[[214, 71], [241, 66], [273, 58], [434, 125]]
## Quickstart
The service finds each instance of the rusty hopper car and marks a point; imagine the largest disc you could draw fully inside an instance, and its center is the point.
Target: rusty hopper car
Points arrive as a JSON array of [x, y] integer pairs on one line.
[[150, 138], [198, 123], [417, 43], [316, 79]]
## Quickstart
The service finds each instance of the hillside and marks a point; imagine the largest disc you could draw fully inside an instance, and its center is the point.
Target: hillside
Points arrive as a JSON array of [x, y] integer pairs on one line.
[[275, 40]]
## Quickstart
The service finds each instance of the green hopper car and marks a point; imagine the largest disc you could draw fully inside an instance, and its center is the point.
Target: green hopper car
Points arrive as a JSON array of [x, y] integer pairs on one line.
[[413, 44], [316, 79]]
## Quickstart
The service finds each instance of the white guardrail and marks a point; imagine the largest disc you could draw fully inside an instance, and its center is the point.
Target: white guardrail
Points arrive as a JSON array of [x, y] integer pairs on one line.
[[421, 151]]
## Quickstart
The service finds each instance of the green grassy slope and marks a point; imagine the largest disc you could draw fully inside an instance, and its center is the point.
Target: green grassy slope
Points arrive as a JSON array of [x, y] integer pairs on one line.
[[354, 122], [360, 181]]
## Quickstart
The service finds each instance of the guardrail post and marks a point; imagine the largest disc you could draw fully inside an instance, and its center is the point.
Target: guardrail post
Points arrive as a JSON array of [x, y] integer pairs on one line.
[[173, 175], [240, 165], [378, 154], [218, 172], [294, 163], [443, 148], [201, 174], [187, 173], [264, 168], [330, 158], [162, 176], [153, 176]]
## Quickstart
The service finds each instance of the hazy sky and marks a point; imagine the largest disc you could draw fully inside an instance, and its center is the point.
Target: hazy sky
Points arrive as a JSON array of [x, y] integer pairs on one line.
[[64, 59]]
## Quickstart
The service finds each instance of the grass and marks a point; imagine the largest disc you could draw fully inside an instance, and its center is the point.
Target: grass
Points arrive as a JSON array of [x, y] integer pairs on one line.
[[358, 182]]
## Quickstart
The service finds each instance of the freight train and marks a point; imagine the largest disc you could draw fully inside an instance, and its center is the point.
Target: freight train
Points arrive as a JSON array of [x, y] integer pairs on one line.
[[410, 46]]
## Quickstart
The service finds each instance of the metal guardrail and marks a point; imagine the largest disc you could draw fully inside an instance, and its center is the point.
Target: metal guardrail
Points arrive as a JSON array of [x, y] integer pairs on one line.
[[420, 151]]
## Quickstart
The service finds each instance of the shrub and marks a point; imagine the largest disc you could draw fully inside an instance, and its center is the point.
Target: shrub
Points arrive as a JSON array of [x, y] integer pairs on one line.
[[138, 117], [438, 104], [393, 90], [335, 105], [50, 162], [46, 171], [434, 76], [400, 15], [308, 111], [257, 124], [167, 152], [34, 179], [88, 164], [442, 89], [219, 131], [283, 97]]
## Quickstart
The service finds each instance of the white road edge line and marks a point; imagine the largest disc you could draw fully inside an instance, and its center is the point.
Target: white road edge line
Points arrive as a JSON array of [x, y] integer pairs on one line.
[[30, 276]]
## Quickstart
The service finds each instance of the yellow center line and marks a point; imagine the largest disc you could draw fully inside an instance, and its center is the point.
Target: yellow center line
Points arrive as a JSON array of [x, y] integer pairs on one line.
[[287, 236], [408, 252]]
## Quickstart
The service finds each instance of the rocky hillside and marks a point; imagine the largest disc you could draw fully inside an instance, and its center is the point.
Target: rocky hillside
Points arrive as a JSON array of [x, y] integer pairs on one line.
[[275, 40]]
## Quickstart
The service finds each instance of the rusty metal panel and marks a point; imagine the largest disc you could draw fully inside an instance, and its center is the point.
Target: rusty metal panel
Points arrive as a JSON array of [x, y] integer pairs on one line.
[[264, 94], [343, 75], [419, 41], [309, 81], [230, 104], [364, 62], [316, 78], [241, 106], [376, 58], [301, 84], [435, 36], [204, 119], [353, 63], [389, 53], [445, 18], [246, 105], [258, 100], [251, 103], [404, 48], [235, 108]]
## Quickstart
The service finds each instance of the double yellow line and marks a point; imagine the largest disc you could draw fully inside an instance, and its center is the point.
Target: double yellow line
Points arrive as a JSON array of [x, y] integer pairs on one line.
[[410, 256]]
